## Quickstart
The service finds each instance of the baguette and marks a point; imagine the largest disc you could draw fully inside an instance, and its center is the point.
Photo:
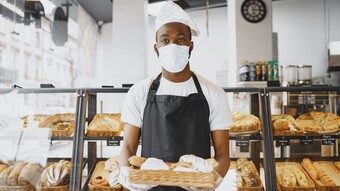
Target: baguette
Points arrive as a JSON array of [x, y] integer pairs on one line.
[[288, 177], [307, 163], [300, 177], [12, 179], [248, 173], [3, 167], [29, 174], [323, 176], [4, 175], [337, 165]]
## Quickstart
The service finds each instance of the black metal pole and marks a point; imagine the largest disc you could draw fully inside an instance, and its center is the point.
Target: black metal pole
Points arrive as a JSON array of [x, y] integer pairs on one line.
[[267, 143], [78, 141]]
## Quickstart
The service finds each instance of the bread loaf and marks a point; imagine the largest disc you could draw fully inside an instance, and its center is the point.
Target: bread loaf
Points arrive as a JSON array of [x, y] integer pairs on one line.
[[57, 174], [28, 174], [280, 125], [4, 175], [307, 163], [136, 161], [12, 179], [3, 167], [323, 176], [248, 173]]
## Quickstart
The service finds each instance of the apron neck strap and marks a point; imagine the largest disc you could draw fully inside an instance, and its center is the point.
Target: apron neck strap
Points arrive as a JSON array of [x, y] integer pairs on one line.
[[197, 84], [153, 89]]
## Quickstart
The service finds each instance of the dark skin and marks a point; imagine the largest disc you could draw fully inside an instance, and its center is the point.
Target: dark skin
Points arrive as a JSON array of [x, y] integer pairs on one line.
[[176, 33]]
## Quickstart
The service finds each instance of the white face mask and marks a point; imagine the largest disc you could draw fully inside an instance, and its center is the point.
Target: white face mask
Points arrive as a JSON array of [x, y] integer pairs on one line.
[[173, 58]]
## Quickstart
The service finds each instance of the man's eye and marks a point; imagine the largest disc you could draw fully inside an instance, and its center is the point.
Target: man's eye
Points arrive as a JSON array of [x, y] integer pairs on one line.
[[181, 40], [164, 40]]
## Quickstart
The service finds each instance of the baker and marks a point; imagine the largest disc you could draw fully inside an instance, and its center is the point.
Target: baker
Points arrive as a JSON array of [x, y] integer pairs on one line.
[[177, 112]]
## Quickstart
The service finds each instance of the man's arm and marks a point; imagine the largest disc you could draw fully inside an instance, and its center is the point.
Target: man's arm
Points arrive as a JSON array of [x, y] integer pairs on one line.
[[130, 144], [220, 139]]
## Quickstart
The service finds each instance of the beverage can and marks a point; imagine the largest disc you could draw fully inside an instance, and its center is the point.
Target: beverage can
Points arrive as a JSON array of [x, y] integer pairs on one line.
[[252, 71], [258, 72], [244, 72]]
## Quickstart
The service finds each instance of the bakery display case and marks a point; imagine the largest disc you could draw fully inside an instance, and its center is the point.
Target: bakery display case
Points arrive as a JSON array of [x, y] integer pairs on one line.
[[36, 139], [269, 144]]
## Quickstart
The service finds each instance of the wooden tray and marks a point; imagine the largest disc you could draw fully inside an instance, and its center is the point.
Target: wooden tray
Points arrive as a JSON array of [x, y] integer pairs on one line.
[[100, 171], [280, 165], [94, 133], [64, 133], [288, 133], [250, 132], [172, 178], [17, 188], [53, 188], [321, 187]]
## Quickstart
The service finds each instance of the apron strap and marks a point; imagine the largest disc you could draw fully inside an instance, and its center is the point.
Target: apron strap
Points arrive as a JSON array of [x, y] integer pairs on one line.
[[198, 86], [153, 89]]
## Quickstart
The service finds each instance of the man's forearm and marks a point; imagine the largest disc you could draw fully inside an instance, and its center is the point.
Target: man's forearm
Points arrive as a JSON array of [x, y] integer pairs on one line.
[[223, 164]]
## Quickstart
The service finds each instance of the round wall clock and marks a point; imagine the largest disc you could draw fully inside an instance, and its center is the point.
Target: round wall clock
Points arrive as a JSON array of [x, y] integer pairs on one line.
[[253, 11]]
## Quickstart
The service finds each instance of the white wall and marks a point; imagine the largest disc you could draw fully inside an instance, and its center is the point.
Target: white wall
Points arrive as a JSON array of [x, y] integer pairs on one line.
[[302, 34]]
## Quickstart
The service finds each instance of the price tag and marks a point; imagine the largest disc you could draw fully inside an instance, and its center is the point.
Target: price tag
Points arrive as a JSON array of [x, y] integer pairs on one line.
[[306, 140], [282, 141], [242, 141], [328, 140], [112, 141]]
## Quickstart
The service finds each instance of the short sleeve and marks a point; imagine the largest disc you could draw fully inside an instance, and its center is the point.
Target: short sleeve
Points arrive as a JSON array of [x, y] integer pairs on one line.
[[131, 112], [220, 115]]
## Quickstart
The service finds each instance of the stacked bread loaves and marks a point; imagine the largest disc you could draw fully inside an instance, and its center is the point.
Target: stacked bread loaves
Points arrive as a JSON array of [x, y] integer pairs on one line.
[[19, 174], [319, 122]]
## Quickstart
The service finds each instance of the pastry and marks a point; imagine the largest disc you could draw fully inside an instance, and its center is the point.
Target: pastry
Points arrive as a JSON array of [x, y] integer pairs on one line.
[[337, 165], [319, 121], [137, 161], [300, 177], [59, 121], [285, 122], [3, 167], [99, 181], [105, 122], [12, 179], [28, 174], [288, 177], [4, 175], [245, 122], [323, 176], [307, 163]]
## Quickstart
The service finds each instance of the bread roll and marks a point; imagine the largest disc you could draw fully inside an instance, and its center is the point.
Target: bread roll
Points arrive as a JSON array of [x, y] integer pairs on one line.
[[28, 174], [323, 176], [4, 175], [280, 125], [99, 181], [137, 161], [3, 167], [300, 177], [12, 179], [307, 163]]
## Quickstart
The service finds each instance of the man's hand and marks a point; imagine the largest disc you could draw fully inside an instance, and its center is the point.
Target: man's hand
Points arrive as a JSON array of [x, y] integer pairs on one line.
[[124, 180], [217, 183]]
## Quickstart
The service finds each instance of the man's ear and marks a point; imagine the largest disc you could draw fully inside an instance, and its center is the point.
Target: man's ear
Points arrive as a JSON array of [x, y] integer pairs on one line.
[[156, 50], [191, 47]]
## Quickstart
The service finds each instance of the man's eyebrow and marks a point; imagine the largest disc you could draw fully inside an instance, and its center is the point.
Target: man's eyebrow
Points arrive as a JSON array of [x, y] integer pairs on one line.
[[181, 34], [164, 35]]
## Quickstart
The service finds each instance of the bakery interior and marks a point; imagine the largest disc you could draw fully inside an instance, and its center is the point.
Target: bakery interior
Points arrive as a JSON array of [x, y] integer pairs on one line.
[[67, 64]]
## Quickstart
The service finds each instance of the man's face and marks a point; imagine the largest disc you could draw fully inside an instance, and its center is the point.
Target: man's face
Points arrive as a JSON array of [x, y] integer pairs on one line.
[[173, 33]]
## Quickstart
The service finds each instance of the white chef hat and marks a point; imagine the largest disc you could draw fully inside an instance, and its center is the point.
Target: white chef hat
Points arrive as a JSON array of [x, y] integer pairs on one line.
[[171, 12]]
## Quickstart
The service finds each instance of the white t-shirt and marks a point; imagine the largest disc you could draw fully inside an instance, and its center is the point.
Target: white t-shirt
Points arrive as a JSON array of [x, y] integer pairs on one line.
[[135, 101]]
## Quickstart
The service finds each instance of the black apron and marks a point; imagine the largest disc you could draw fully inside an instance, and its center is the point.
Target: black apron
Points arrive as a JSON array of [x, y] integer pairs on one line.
[[175, 125]]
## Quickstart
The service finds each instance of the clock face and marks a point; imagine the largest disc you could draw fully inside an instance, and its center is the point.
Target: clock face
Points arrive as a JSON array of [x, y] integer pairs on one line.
[[253, 11]]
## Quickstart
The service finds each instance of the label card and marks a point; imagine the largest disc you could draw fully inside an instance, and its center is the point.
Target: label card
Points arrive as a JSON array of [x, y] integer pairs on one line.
[[306, 141], [328, 140], [282, 141], [242, 141]]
